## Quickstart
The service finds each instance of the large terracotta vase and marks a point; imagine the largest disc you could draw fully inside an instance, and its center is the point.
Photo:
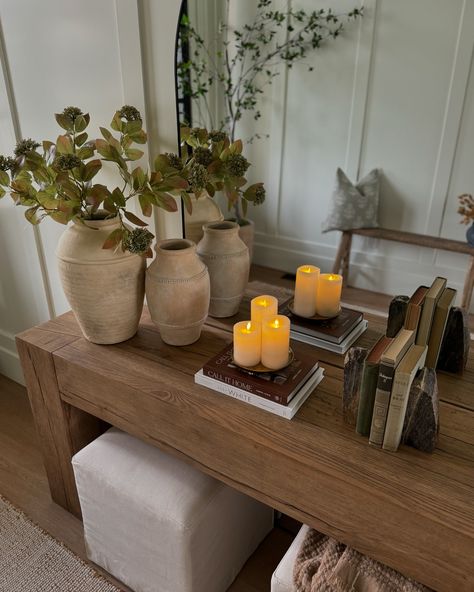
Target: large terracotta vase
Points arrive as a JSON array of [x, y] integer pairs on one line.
[[177, 291], [227, 258], [205, 210], [104, 287]]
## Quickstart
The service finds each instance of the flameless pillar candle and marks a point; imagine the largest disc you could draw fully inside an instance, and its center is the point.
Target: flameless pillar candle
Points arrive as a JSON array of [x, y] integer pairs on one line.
[[263, 306], [247, 343], [328, 303], [306, 288], [275, 342]]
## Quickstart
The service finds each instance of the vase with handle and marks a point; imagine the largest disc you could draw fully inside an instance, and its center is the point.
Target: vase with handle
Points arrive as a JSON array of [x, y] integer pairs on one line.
[[227, 258], [104, 287], [177, 291]]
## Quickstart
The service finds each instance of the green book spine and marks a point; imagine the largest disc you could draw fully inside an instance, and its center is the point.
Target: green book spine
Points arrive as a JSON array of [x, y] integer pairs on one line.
[[367, 397]]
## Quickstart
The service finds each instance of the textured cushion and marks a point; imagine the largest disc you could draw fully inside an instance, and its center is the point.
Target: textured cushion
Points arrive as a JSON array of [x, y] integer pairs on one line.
[[160, 525], [282, 578], [354, 206]]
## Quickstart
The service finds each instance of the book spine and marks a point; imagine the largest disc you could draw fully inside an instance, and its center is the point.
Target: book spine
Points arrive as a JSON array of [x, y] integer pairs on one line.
[[235, 393], [367, 397], [381, 403], [396, 412], [244, 385]]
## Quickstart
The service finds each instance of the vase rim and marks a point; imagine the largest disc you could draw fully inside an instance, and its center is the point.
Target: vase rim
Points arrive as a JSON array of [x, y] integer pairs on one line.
[[221, 226], [175, 246], [96, 223]]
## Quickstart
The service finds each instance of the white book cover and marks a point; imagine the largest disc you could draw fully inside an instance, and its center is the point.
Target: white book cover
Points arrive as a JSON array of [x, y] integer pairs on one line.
[[340, 348], [286, 411]]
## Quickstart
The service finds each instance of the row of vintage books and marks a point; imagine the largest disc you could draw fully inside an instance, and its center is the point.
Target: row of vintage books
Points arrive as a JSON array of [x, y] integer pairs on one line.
[[393, 362], [284, 391]]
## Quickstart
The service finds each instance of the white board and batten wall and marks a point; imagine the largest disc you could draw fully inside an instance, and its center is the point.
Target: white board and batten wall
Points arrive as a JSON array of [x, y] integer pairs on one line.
[[395, 93]]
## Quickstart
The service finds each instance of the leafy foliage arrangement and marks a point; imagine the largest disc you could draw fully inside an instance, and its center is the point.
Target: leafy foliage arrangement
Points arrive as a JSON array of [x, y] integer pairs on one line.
[[59, 181], [210, 162], [466, 208], [247, 58]]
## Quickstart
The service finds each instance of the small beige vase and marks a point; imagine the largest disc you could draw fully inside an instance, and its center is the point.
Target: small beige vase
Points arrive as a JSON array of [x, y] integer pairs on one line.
[[227, 258], [205, 210], [104, 287], [247, 234], [177, 291]]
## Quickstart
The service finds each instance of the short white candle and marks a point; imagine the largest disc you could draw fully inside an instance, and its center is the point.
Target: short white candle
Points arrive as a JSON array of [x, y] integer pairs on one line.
[[306, 288], [247, 343], [275, 342], [328, 302], [263, 306]]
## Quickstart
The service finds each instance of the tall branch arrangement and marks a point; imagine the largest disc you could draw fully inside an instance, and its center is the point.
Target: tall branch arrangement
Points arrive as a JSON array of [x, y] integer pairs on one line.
[[247, 58]]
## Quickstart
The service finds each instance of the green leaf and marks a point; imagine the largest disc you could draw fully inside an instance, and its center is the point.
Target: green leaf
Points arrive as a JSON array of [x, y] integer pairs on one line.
[[91, 169], [118, 198], [145, 204], [116, 123], [176, 182], [244, 203], [85, 152], [31, 215], [80, 124], [64, 121], [156, 178], [165, 201], [188, 204], [133, 154], [109, 205], [64, 145], [81, 138], [48, 202], [61, 217], [139, 137], [134, 219], [138, 178], [103, 148], [105, 132], [162, 164], [2, 192], [4, 178], [114, 239], [132, 127]]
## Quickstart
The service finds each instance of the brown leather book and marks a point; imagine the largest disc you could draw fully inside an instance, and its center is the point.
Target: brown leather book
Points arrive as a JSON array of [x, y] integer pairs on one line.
[[279, 386], [334, 330], [438, 326], [414, 308], [427, 310]]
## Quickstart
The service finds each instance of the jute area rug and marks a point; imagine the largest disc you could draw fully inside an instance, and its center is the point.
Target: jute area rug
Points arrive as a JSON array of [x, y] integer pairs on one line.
[[31, 560]]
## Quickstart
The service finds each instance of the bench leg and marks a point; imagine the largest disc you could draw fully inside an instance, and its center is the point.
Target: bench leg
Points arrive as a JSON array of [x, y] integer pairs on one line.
[[341, 263]]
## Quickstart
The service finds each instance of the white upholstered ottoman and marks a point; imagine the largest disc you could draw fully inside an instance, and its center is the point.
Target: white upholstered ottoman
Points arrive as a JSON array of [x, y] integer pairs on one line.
[[160, 525], [282, 578]]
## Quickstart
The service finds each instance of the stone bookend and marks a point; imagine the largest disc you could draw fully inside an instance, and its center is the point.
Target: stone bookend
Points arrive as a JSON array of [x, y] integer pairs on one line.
[[455, 346], [396, 315], [421, 425], [353, 365]]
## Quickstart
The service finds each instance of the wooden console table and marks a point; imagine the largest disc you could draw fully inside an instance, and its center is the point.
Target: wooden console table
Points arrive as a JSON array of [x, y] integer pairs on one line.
[[410, 510]]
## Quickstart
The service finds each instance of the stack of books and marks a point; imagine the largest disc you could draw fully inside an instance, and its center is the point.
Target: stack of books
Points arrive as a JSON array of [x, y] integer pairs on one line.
[[392, 364], [336, 334], [281, 391]]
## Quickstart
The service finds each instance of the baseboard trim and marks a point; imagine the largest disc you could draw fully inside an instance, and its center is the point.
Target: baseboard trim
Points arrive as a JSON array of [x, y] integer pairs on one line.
[[9, 361]]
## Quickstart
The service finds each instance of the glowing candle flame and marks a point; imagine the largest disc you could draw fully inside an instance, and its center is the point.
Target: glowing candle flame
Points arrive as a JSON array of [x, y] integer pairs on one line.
[[263, 303], [249, 326], [276, 324], [307, 269]]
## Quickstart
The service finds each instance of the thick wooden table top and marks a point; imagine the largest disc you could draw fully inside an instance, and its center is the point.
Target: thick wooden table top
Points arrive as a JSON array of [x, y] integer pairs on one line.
[[410, 510]]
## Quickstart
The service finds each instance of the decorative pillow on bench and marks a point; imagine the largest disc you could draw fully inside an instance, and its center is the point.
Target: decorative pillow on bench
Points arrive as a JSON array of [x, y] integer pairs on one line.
[[354, 206]]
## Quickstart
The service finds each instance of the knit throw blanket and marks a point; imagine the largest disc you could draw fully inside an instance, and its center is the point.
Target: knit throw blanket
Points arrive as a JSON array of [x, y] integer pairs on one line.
[[324, 565]]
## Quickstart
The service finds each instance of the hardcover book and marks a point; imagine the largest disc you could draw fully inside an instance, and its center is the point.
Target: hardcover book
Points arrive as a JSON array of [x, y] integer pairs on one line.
[[429, 304], [388, 362], [286, 411], [334, 330], [338, 348], [440, 318], [368, 386], [413, 315], [406, 371], [279, 386]]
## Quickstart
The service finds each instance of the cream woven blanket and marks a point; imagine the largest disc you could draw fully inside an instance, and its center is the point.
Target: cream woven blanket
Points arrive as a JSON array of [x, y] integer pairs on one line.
[[324, 565]]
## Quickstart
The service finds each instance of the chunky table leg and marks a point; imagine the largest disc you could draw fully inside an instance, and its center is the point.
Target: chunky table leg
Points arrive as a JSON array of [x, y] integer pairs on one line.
[[62, 429]]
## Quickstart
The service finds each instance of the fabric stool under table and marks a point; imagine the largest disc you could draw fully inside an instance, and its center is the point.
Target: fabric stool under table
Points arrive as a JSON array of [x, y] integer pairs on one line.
[[160, 525], [282, 578]]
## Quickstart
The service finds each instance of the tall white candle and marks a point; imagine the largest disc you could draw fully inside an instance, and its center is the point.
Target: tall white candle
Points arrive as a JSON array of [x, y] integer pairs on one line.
[[306, 288], [275, 342], [247, 343], [328, 302], [263, 306]]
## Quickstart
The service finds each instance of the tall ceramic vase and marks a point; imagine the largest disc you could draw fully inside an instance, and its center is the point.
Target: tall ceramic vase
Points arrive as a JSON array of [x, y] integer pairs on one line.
[[177, 291], [227, 258], [104, 287], [205, 210]]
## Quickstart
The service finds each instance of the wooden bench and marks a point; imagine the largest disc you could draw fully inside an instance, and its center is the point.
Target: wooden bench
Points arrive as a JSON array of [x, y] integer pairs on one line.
[[341, 263]]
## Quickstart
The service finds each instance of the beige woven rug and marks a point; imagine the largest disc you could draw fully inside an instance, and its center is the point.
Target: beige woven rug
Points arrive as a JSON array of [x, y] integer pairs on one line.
[[32, 561]]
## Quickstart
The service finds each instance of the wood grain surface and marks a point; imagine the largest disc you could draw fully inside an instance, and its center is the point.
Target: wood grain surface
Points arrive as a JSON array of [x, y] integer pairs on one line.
[[410, 510]]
